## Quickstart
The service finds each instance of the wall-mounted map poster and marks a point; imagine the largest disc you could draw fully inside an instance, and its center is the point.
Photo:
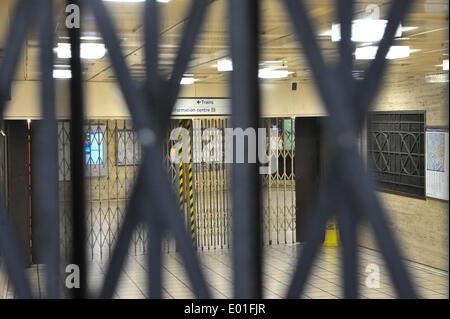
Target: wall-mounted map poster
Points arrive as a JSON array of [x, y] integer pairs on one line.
[[436, 166]]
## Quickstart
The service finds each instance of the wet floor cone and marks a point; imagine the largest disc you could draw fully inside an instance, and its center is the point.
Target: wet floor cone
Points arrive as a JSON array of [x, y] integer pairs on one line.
[[331, 235]]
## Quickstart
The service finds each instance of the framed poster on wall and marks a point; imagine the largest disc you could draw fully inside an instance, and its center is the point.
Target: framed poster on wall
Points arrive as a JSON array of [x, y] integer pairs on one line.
[[436, 165]]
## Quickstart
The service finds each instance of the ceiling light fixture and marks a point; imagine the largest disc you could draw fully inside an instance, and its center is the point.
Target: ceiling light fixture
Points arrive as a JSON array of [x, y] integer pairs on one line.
[[364, 30], [187, 81], [131, 1], [90, 51], [437, 78], [224, 65], [90, 38], [395, 52], [445, 65], [273, 73], [62, 66], [62, 74]]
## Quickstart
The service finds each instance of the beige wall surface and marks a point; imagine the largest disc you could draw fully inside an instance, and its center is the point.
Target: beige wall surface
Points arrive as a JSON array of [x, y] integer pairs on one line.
[[104, 100], [420, 225]]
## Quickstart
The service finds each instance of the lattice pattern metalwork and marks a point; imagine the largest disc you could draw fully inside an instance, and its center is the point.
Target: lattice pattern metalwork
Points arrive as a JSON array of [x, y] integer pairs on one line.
[[346, 99], [279, 187], [396, 151]]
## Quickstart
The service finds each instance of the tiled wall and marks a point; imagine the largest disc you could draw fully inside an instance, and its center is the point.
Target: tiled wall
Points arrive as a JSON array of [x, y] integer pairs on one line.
[[421, 225]]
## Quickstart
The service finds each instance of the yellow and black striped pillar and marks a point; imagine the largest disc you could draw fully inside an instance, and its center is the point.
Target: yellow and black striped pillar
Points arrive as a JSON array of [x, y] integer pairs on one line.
[[181, 169], [191, 190], [186, 184]]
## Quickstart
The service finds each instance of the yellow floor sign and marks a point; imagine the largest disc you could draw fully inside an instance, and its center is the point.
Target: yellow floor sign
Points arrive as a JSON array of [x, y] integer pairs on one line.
[[331, 235]]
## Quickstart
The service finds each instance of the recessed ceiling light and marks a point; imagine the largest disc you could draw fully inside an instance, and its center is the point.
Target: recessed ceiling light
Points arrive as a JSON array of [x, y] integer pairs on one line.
[[273, 73], [224, 65], [91, 51], [187, 81], [364, 30], [395, 52], [163, 1], [62, 66], [437, 78], [90, 38], [62, 74], [406, 29]]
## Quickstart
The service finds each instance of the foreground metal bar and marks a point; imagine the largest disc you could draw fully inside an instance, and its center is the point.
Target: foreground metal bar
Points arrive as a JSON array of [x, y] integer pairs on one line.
[[335, 91], [14, 262], [155, 229], [46, 157], [346, 216], [327, 199], [77, 161], [367, 89], [190, 34], [152, 167], [247, 242]]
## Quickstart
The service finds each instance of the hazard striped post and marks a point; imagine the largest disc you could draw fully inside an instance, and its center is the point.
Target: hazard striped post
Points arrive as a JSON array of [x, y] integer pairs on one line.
[[191, 190], [180, 154]]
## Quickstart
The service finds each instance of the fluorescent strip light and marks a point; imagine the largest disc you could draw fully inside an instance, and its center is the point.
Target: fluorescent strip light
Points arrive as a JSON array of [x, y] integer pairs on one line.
[[224, 65], [90, 51], [364, 30], [62, 74], [131, 1], [445, 65], [187, 81], [395, 52], [270, 73], [90, 38], [437, 78]]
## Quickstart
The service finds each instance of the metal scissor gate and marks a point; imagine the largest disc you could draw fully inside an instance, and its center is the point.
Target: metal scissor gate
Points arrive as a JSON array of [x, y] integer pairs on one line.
[[348, 190], [112, 159]]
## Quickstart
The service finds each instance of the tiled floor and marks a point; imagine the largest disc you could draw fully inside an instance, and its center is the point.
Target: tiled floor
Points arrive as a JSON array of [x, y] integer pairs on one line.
[[325, 281]]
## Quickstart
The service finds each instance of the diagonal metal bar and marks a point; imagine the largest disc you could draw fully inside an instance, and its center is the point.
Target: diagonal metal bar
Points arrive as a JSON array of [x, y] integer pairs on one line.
[[22, 19], [347, 221], [120, 251], [151, 23], [328, 198], [345, 14], [13, 260], [305, 32], [247, 255], [152, 166], [8, 246], [190, 35], [45, 156], [367, 89], [328, 81], [77, 139], [132, 96], [360, 183], [154, 259], [346, 217]]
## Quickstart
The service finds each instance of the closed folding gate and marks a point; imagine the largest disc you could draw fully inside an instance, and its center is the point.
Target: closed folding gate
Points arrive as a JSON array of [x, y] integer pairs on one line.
[[112, 158], [347, 102]]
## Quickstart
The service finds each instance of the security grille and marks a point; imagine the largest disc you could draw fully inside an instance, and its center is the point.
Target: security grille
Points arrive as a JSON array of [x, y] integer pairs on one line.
[[112, 158], [279, 186], [396, 148], [348, 191]]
